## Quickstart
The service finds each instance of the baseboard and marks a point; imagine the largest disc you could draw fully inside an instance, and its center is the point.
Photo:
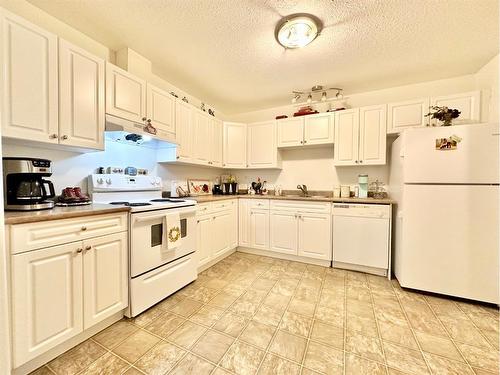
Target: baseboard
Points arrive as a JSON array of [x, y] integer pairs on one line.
[[65, 346], [295, 258], [365, 269], [203, 267]]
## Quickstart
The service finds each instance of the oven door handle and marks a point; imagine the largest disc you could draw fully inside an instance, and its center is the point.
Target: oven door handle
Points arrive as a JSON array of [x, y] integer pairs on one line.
[[142, 219]]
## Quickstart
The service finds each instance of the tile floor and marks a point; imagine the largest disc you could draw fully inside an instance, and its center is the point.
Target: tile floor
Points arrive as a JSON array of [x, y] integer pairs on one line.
[[257, 315]]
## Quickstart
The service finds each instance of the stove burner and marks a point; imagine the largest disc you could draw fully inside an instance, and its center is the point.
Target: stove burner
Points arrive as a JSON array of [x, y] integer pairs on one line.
[[131, 204], [167, 200]]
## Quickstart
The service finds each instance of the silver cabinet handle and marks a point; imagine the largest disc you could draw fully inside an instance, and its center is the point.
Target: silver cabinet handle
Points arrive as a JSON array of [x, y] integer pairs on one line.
[[356, 162], [53, 136], [88, 247], [144, 119], [79, 250], [360, 161], [305, 142], [64, 137], [84, 228]]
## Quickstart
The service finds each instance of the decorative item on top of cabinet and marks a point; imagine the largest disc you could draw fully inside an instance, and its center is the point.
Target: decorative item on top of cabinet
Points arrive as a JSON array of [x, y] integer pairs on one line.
[[468, 103], [360, 136], [407, 114], [444, 114]]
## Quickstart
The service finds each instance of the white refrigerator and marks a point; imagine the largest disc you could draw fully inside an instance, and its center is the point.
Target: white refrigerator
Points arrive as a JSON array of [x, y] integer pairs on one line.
[[446, 231]]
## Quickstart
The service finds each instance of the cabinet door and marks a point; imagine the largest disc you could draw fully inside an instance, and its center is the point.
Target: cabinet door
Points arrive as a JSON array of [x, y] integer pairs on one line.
[[125, 94], [407, 114], [46, 299], [468, 103], [244, 222], [105, 275], [372, 135], [221, 233], [81, 97], [262, 150], [233, 225], [259, 229], [318, 129], [204, 239], [161, 111], [345, 150], [184, 129], [290, 132], [201, 147], [314, 236], [283, 232], [28, 81], [235, 145], [216, 131]]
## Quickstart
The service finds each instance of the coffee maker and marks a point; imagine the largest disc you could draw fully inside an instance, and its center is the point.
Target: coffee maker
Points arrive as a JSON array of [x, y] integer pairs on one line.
[[24, 185]]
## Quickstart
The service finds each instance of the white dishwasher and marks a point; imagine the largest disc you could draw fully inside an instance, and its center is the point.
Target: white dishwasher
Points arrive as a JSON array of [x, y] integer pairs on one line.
[[361, 237]]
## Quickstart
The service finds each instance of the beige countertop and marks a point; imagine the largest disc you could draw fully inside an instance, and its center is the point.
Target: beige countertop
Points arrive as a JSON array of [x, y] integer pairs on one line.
[[21, 217], [212, 198]]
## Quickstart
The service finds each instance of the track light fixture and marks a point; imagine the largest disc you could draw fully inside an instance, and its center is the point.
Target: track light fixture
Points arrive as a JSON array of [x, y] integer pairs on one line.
[[316, 90]]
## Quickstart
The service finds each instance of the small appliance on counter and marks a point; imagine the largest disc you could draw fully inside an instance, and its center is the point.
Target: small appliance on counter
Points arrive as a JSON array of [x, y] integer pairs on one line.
[[217, 187], [363, 186], [24, 184], [73, 196]]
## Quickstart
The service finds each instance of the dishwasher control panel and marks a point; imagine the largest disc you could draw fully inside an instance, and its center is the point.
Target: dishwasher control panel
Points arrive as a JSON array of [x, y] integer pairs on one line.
[[381, 211]]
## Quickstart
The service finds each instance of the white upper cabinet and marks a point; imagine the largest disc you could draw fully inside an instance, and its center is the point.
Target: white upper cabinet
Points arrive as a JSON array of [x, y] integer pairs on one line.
[[235, 145], [407, 114], [184, 129], [125, 94], [291, 132], [201, 136], [318, 129], [468, 103], [161, 111], [262, 150], [81, 97], [216, 131], [372, 134], [29, 91], [46, 299], [345, 151]]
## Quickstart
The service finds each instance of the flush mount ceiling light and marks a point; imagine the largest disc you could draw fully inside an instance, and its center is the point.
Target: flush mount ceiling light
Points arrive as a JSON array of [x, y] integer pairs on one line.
[[297, 30], [316, 90]]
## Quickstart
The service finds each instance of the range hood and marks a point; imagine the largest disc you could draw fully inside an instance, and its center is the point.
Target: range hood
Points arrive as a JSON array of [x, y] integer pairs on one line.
[[133, 133]]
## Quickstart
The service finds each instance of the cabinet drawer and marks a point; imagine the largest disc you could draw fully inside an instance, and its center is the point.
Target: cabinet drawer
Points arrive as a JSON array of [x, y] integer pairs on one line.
[[259, 203], [223, 205], [203, 209], [25, 237], [300, 206]]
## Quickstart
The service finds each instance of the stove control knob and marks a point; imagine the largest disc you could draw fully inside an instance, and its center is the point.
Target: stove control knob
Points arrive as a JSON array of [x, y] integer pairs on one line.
[[100, 180], [108, 181], [152, 182], [157, 182]]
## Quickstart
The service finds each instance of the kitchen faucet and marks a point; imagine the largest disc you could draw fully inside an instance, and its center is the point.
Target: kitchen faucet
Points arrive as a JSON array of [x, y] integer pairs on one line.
[[303, 189]]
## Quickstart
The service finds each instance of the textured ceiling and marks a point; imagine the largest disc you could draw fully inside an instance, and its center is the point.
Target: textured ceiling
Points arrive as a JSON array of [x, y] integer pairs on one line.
[[224, 51]]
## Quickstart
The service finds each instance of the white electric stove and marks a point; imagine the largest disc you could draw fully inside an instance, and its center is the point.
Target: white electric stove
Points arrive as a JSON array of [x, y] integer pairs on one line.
[[155, 271]]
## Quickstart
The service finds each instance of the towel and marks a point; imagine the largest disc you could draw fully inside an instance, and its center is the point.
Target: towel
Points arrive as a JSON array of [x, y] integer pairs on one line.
[[173, 230]]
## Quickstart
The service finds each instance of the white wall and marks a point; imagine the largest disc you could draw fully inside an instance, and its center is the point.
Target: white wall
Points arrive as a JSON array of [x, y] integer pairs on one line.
[[72, 169], [313, 167]]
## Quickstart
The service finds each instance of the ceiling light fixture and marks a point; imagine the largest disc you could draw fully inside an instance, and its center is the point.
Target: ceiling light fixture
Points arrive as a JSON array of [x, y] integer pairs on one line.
[[297, 30], [315, 91]]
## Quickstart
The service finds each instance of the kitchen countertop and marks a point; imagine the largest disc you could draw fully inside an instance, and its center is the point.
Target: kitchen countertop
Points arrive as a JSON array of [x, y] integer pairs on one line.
[[21, 217], [212, 198]]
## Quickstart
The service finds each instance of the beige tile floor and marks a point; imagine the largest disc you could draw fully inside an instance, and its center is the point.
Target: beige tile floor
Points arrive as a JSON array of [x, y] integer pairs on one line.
[[257, 315]]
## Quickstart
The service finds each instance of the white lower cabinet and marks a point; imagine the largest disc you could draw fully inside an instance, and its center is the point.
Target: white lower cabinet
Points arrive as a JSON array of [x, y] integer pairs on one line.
[[217, 229], [105, 266], [61, 290], [282, 223], [259, 229], [46, 299], [314, 236]]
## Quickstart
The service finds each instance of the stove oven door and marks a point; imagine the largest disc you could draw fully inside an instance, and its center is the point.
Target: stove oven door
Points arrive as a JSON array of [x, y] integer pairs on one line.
[[148, 244]]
